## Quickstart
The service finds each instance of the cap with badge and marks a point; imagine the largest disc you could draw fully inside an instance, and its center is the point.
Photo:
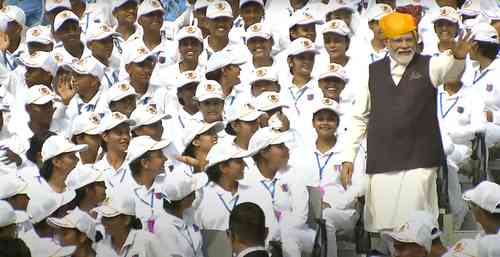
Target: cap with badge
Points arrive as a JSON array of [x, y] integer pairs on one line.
[[414, 231], [219, 9], [136, 52], [39, 95], [463, 248], [189, 32], [39, 59], [86, 123], [267, 136], [118, 3], [99, 31], [471, 8], [268, 101], [113, 119], [186, 78], [486, 195], [303, 18], [149, 6], [335, 5], [119, 91], [224, 151], [221, 59], [490, 9], [83, 175], [143, 144], [243, 2], [484, 32], [8, 216], [428, 219], [449, 14], [64, 16], [53, 4], [327, 104], [75, 219], [57, 144], [146, 115], [200, 4], [265, 73], [377, 11], [260, 30], [489, 246], [200, 128], [336, 71], [338, 27], [87, 66], [243, 111], [302, 45], [14, 13], [39, 34], [116, 204], [46, 204], [11, 185], [209, 89], [176, 188]]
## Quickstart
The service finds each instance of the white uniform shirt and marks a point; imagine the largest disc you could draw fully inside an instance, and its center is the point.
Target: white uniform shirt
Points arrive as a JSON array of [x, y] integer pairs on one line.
[[62, 56], [139, 243], [487, 84], [77, 106], [178, 236], [113, 177], [39, 246]]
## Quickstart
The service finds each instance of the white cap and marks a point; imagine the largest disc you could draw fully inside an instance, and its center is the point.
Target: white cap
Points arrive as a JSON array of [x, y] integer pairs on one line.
[[76, 219], [243, 111], [46, 204], [83, 175], [87, 66], [53, 4], [484, 32], [200, 128], [302, 45], [57, 144], [39, 59], [149, 6], [187, 77], [302, 18], [268, 101], [119, 91], [98, 31], [489, 246], [179, 186], [116, 204], [377, 11], [14, 13], [472, 7], [335, 5], [39, 95], [337, 27], [39, 34], [219, 9], [260, 2], [266, 73], [223, 151], [414, 231], [449, 14], [221, 59], [146, 115], [189, 31], [202, 4], [11, 185], [143, 144], [334, 70], [86, 123], [64, 16], [485, 195], [209, 89], [111, 120], [327, 104], [267, 136], [490, 9], [261, 30], [8, 216], [117, 3], [428, 219], [136, 51], [463, 248]]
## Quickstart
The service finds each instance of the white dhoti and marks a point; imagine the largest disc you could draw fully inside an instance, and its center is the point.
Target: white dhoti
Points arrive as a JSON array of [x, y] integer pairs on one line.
[[392, 197]]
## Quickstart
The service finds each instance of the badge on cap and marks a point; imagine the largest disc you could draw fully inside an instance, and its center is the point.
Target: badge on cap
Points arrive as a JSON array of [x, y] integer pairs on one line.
[[118, 116], [386, 9], [460, 109], [209, 87], [105, 28], [190, 75], [123, 87], [306, 44], [142, 50], [333, 67], [249, 106], [273, 98], [44, 91], [58, 58], [403, 227], [65, 14], [155, 4], [36, 32], [334, 25], [307, 16], [220, 6], [444, 12], [190, 29], [489, 87], [151, 109], [95, 119], [255, 28], [261, 72], [327, 101], [58, 1]]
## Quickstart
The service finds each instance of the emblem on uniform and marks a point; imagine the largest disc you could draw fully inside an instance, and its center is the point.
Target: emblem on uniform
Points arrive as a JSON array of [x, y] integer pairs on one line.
[[460, 109], [158, 195], [284, 188], [260, 72], [489, 87], [310, 97]]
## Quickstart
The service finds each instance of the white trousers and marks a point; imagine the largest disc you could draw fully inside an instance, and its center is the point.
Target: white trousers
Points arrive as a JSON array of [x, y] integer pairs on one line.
[[297, 240]]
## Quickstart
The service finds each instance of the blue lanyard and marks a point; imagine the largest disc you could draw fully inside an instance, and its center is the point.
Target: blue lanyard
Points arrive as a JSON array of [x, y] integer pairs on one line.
[[322, 167], [443, 114], [89, 108], [87, 22], [480, 76], [235, 200], [232, 100], [146, 100], [110, 82], [271, 188], [13, 65], [189, 239], [296, 99], [180, 121]]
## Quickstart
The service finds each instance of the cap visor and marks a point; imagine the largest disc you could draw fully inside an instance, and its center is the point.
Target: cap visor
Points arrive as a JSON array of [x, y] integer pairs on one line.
[[64, 251], [58, 223], [107, 211], [78, 148], [251, 116], [217, 126], [43, 100], [21, 216]]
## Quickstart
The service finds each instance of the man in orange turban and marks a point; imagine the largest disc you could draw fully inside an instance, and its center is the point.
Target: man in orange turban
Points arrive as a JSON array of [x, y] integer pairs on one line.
[[396, 110]]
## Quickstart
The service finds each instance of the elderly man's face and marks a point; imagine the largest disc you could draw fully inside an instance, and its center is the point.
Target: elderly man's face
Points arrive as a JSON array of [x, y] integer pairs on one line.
[[402, 48]]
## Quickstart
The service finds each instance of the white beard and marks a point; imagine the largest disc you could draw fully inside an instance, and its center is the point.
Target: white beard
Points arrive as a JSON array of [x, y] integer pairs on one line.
[[402, 59]]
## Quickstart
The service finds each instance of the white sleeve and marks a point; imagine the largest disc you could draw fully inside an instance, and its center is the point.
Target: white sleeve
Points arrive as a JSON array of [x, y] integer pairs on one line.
[[445, 67]]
